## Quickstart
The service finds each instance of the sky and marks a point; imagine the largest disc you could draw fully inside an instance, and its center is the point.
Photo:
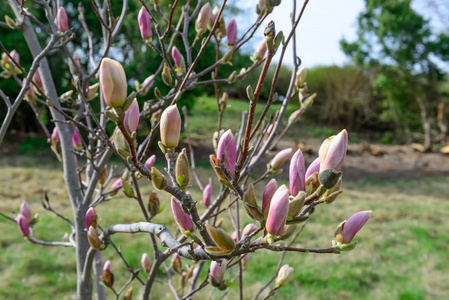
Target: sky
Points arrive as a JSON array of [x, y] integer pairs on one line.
[[323, 24]]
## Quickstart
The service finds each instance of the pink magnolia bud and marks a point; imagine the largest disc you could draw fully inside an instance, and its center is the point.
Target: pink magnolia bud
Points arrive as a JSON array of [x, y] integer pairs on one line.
[[277, 214], [227, 147], [301, 76], [116, 186], [62, 19], [261, 4], [25, 210], [234, 236], [354, 224], [150, 161], [178, 59], [131, 119], [15, 55], [91, 218], [213, 16], [217, 271], [30, 94], [117, 183], [37, 79], [107, 276], [113, 82], [55, 135], [76, 138], [314, 167], [176, 263], [260, 51], [268, 193], [184, 221], [23, 224], [294, 116], [297, 173], [107, 266], [250, 228], [231, 32], [333, 151], [170, 127], [146, 263], [279, 159], [202, 19], [93, 239], [144, 20], [207, 195], [147, 84]]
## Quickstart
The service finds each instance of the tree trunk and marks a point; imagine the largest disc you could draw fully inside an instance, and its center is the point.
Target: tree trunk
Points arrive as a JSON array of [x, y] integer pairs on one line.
[[441, 125], [425, 123], [84, 290]]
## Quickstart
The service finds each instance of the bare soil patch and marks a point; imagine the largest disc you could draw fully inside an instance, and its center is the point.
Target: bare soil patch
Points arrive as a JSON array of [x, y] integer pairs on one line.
[[364, 160]]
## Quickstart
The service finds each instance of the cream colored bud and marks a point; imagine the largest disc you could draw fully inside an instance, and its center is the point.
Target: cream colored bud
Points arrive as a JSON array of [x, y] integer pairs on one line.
[[92, 92], [182, 170], [159, 181], [284, 275], [221, 238]]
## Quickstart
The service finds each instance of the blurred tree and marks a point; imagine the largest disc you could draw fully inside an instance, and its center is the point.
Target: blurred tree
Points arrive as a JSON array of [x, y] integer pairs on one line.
[[400, 44]]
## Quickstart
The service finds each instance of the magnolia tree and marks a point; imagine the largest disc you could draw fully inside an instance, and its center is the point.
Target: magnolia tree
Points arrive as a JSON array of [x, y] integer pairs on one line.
[[80, 132]]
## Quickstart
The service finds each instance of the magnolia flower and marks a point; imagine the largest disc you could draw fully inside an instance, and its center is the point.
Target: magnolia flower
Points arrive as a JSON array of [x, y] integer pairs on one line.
[[333, 151], [300, 79], [279, 159], [146, 263], [30, 94], [297, 173], [131, 119], [93, 239], [150, 161], [170, 126], [147, 84], [284, 275], [313, 167], [91, 218], [348, 229], [176, 262], [113, 82], [227, 147], [260, 51], [268, 193], [178, 59], [207, 194], [217, 271], [23, 224], [63, 21], [25, 210], [108, 276], [116, 186], [250, 228], [184, 221], [144, 20], [231, 32], [202, 19], [277, 214], [76, 138]]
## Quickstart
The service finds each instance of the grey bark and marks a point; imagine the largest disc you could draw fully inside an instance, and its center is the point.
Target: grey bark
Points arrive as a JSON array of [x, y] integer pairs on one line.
[[84, 291]]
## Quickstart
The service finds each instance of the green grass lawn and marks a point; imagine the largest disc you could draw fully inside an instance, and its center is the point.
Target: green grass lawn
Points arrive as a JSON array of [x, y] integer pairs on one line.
[[203, 119], [402, 252]]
